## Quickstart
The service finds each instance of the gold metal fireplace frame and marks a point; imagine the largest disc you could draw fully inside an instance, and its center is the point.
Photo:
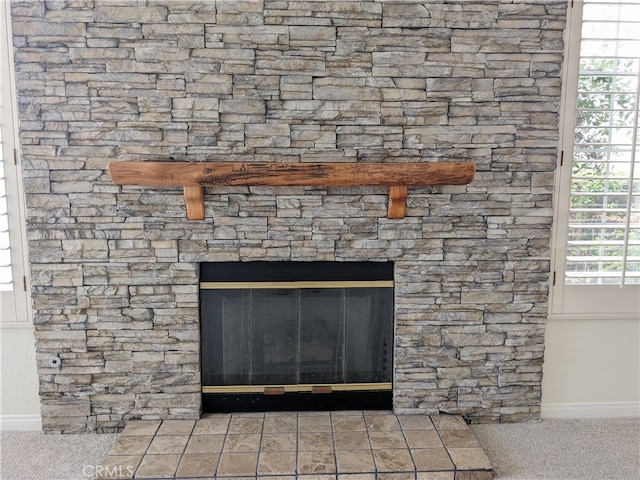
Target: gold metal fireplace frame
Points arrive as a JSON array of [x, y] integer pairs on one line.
[[299, 388], [295, 285], [304, 388]]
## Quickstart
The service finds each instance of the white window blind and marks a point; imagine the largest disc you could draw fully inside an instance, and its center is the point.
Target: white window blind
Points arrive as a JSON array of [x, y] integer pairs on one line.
[[6, 276], [603, 237], [14, 309], [596, 266]]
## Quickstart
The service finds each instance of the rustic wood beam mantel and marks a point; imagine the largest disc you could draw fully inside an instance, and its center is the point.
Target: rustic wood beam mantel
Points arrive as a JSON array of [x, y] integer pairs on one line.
[[193, 177]]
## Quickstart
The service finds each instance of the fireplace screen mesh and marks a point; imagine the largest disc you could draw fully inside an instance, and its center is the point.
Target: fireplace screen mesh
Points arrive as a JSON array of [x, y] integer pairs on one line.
[[297, 332]]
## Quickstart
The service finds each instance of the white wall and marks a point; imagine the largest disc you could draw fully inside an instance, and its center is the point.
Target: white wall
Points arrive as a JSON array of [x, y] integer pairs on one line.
[[592, 368], [19, 400]]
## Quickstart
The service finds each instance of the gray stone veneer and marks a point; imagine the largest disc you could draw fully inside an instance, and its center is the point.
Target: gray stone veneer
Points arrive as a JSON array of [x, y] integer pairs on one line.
[[114, 269]]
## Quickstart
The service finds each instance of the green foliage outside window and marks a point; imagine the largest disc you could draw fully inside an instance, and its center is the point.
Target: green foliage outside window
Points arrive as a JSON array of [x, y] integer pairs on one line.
[[600, 185]]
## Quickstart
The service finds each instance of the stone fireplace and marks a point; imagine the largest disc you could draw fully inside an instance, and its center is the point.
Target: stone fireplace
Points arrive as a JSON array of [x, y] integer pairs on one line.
[[115, 269]]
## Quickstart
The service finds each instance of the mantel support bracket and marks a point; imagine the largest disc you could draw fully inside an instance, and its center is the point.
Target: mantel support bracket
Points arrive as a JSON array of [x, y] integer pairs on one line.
[[193, 177], [397, 201], [194, 202]]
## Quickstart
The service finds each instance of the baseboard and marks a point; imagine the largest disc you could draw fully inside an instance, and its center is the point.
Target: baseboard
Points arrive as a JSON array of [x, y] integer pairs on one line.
[[590, 410], [22, 423]]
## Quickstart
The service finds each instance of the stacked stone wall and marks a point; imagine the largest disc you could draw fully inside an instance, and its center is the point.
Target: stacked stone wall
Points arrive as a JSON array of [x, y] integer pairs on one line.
[[114, 270]]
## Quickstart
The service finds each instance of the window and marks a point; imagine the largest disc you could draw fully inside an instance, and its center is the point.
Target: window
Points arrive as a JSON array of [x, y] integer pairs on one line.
[[13, 294], [597, 261]]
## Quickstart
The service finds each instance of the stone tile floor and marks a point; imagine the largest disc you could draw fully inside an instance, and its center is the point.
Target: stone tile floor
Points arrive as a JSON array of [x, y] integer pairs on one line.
[[350, 445]]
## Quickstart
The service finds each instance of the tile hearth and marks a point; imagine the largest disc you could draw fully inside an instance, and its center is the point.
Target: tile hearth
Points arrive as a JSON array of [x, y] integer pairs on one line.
[[349, 445]]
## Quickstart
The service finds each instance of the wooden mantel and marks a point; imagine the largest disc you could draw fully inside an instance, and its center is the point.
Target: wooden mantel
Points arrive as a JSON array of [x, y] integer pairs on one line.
[[193, 177]]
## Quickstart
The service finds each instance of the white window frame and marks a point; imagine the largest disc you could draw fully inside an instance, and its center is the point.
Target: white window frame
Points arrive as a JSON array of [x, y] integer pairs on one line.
[[15, 306], [578, 301]]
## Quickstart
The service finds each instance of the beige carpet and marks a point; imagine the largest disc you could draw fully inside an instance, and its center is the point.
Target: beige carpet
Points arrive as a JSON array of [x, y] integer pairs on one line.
[[590, 449], [35, 456], [568, 449]]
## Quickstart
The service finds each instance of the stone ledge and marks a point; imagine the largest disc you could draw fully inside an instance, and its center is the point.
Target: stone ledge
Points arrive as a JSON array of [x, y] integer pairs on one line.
[[309, 444]]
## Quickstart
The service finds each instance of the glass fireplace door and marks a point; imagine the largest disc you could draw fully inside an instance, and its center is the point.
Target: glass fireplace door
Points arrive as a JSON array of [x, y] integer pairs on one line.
[[296, 335], [292, 330]]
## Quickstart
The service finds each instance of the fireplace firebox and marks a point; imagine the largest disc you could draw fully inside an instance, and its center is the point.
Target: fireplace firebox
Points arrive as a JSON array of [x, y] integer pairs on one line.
[[296, 335]]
